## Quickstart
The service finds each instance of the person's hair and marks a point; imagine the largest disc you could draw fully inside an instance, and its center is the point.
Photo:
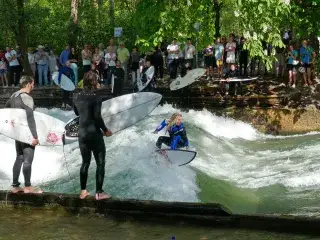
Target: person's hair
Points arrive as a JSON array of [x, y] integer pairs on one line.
[[173, 120], [90, 80], [25, 80]]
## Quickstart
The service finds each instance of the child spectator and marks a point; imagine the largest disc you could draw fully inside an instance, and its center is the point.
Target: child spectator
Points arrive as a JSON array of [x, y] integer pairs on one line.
[[3, 72]]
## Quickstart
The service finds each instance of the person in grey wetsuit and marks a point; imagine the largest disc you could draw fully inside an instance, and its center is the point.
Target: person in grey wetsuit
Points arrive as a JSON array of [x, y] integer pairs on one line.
[[25, 152]]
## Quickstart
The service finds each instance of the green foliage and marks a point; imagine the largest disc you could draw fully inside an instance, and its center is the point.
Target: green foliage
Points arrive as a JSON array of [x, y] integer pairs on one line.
[[149, 23], [166, 19], [305, 17], [261, 21]]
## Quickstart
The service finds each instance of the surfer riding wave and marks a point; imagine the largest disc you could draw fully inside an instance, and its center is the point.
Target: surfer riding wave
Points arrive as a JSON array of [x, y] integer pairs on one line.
[[177, 133]]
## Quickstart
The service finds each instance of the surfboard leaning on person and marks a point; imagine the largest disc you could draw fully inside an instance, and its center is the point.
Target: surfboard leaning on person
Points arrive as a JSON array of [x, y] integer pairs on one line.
[[25, 152], [177, 133], [87, 105]]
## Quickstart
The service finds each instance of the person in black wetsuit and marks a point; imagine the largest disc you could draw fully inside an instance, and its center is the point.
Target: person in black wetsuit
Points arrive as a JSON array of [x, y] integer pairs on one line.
[[25, 152], [227, 87], [118, 74], [87, 105]]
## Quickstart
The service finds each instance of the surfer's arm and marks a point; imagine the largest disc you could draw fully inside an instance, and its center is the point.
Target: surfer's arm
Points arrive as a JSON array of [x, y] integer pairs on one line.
[[161, 126], [97, 115], [28, 105]]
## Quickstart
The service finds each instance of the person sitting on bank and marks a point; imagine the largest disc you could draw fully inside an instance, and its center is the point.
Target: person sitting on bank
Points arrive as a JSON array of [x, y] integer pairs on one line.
[[69, 73], [147, 75], [226, 86]]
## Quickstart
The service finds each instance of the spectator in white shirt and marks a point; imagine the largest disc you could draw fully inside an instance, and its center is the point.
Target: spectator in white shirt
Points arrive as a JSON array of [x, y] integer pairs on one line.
[[189, 52], [32, 60], [173, 58], [3, 72], [53, 59], [110, 64], [14, 66], [231, 52]]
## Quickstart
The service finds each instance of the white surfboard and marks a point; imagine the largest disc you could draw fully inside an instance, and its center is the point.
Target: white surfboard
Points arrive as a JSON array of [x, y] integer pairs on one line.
[[65, 83], [120, 112], [188, 79], [237, 79], [13, 124], [177, 157], [149, 73]]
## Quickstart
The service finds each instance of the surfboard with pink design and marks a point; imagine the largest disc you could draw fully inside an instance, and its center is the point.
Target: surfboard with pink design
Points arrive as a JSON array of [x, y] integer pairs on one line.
[[13, 124]]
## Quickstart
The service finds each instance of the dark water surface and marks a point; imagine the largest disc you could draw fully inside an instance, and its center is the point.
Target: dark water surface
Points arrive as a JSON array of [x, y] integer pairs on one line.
[[39, 224]]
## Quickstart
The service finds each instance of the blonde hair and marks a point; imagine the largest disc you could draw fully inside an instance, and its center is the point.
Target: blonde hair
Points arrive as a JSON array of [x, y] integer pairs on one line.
[[173, 120]]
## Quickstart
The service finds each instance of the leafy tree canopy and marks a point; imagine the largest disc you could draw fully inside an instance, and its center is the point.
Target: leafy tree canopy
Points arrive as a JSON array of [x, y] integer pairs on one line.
[[148, 23]]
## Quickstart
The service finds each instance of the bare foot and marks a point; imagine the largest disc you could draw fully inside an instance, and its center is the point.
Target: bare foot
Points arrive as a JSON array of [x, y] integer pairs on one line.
[[16, 189], [101, 196], [32, 190], [84, 194]]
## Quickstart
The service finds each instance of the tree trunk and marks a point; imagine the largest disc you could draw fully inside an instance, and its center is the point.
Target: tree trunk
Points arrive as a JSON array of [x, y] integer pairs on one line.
[[111, 13], [74, 11], [217, 9], [74, 23], [95, 3], [21, 37]]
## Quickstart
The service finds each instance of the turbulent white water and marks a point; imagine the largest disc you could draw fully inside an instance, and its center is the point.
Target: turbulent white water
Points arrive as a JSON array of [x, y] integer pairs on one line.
[[227, 149]]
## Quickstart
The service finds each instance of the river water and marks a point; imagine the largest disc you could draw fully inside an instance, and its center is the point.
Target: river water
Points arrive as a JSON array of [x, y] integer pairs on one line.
[[236, 166]]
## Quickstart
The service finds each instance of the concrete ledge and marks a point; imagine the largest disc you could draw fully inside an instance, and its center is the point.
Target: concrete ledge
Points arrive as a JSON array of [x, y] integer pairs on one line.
[[198, 214], [72, 202]]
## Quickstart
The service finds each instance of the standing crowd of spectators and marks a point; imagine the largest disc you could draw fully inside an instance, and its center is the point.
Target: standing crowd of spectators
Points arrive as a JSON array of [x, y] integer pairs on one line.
[[222, 59]]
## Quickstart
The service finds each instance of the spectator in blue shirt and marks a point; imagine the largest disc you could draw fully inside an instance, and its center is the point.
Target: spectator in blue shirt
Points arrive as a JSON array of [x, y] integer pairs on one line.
[[306, 55], [68, 72], [64, 56], [292, 65]]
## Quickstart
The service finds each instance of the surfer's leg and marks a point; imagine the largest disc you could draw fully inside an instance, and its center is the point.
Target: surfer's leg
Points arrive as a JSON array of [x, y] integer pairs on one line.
[[17, 165], [163, 139], [28, 154], [99, 154], [86, 159]]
